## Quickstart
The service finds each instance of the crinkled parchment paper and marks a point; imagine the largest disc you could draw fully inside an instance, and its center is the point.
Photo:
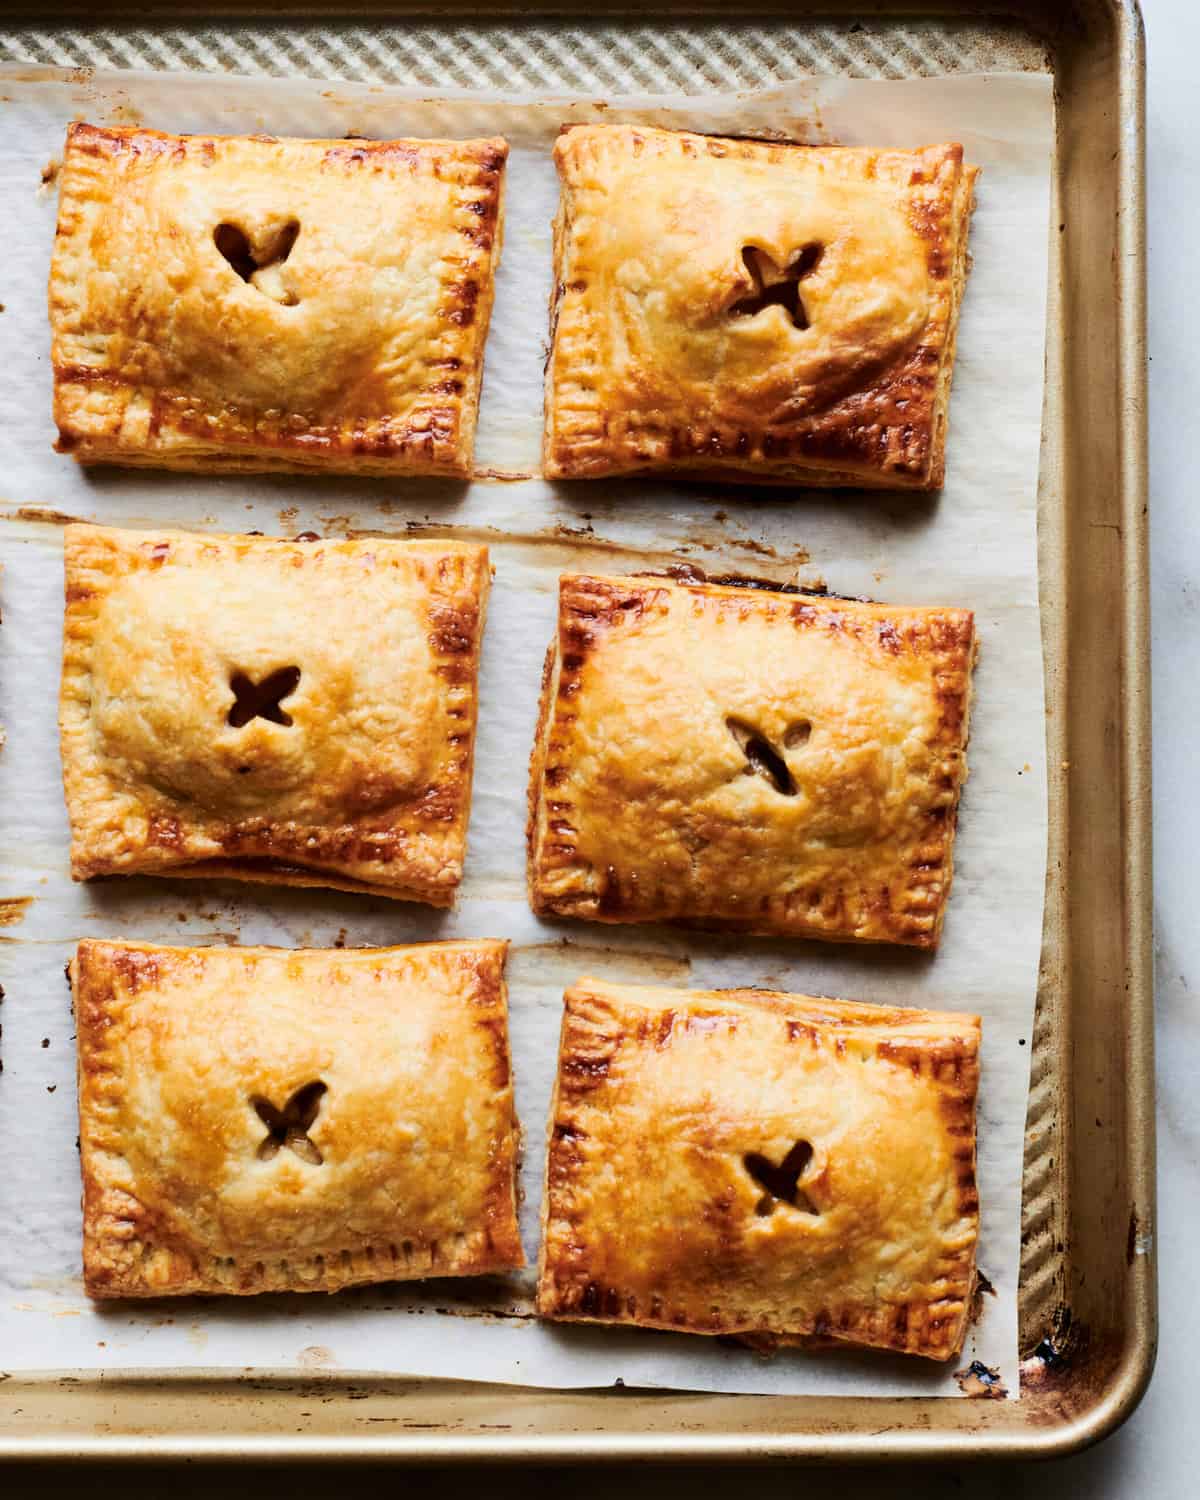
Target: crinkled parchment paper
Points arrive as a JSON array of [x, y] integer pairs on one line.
[[974, 545]]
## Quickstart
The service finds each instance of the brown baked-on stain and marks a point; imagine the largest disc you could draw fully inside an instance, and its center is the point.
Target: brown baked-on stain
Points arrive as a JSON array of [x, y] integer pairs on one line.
[[1062, 1347], [689, 573], [567, 546], [43, 515], [983, 1288], [13, 909], [981, 1381]]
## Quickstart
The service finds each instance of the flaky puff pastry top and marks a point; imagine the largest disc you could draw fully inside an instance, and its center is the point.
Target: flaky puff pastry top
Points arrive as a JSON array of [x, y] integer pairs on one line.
[[739, 757], [764, 1165], [293, 711], [753, 310], [230, 302], [254, 1119]]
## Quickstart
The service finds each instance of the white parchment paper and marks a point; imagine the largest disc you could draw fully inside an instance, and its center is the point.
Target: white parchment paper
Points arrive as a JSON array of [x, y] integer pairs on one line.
[[973, 545]]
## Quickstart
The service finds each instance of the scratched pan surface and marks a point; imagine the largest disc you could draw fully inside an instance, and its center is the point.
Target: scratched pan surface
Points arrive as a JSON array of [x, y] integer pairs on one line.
[[1088, 1289]]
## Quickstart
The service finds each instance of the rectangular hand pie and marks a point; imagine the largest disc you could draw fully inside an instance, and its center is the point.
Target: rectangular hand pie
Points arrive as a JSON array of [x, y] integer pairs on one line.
[[754, 311], [262, 1120], [737, 757], [246, 303], [775, 1167], [300, 712]]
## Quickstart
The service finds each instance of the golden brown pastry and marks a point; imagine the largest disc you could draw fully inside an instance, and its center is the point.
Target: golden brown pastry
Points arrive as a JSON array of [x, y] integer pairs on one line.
[[300, 712], [255, 1119], [754, 311], [737, 757], [771, 1166], [246, 303]]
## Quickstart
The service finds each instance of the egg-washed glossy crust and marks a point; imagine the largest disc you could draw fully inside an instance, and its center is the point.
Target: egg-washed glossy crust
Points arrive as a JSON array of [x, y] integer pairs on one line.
[[662, 358], [668, 1104], [357, 343], [739, 758], [365, 787], [403, 1167]]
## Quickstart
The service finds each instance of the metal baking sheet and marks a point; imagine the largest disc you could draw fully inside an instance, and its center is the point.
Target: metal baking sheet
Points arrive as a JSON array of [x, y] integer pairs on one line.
[[974, 545], [1091, 1321]]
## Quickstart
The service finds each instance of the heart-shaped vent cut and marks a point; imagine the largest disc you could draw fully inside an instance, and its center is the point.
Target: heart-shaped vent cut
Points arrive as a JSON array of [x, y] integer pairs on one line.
[[259, 263]]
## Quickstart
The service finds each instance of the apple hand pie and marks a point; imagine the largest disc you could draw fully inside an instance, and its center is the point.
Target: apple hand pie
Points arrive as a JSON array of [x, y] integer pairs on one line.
[[246, 303], [298, 712], [740, 757], [774, 1167], [262, 1120], [746, 310]]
